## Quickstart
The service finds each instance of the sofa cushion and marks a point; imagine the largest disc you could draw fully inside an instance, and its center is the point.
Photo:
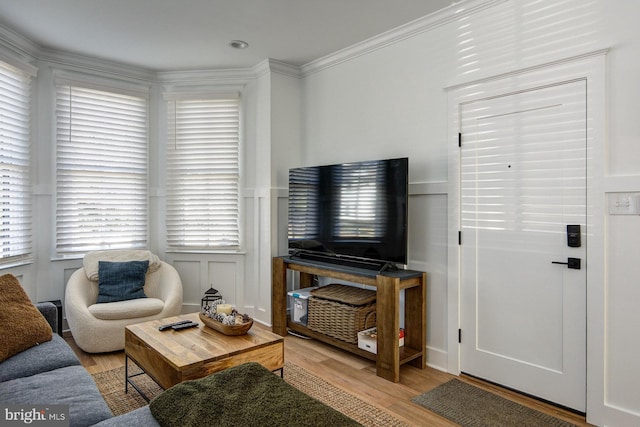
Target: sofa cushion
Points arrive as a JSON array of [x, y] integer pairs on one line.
[[50, 355], [23, 326], [71, 386], [121, 281], [131, 309], [140, 417]]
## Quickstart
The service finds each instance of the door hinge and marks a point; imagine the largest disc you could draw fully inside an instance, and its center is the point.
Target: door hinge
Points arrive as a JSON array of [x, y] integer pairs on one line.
[[459, 237], [459, 336], [459, 139]]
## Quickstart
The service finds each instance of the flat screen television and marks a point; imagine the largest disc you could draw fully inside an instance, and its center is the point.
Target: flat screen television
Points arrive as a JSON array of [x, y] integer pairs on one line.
[[350, 213]]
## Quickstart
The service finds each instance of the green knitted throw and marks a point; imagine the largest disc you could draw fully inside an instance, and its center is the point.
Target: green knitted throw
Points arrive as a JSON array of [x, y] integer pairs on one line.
[[245, 395]]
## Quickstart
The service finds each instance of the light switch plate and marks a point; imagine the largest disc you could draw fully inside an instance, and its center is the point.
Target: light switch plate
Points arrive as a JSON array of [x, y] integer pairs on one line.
[[624, 204]]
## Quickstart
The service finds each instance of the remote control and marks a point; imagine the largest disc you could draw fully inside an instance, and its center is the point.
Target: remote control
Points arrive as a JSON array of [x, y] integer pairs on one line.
[[171, 325], [184, 326]]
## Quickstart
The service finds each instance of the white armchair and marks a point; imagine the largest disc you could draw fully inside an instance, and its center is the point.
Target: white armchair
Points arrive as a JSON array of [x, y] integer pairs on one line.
[[99, 328]]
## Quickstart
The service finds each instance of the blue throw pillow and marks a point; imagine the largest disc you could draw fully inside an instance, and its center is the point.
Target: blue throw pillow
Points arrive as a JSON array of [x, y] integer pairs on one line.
[[120, 281]]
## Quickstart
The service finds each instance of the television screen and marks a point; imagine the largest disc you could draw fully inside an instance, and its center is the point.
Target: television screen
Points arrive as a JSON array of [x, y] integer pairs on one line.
[[350, 210]]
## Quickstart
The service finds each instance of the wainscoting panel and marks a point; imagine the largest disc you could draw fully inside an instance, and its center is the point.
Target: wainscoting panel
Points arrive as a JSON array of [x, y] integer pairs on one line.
[[224, 276], [225, 272], [189, 271], [428, 252]]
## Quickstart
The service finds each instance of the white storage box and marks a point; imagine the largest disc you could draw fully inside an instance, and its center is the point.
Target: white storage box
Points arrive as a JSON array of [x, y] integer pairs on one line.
[[299, 303], [368, 340]]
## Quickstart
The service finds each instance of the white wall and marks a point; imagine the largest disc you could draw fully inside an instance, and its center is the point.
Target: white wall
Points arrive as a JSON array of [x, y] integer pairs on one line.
[[392, 101], [622, 370]]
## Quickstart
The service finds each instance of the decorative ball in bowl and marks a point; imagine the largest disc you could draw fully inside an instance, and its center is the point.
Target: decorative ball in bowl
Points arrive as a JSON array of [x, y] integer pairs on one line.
[[237, 329], [232, 323]]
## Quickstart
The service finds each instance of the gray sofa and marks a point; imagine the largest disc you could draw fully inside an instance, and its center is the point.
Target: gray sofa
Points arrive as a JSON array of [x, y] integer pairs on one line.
[[51, 374]]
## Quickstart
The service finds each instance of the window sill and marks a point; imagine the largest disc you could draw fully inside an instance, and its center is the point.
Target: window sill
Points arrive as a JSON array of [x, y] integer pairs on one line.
[[16, 263]]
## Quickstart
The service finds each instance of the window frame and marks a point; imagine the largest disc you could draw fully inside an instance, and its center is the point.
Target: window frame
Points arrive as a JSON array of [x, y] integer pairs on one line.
[[27, 73], [85, 82], [203, 95]]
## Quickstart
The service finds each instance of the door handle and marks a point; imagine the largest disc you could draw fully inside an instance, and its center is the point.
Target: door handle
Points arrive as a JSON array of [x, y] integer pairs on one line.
[[573, 263]]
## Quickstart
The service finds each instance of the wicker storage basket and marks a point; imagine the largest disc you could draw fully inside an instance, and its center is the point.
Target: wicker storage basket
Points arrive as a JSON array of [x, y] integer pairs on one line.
[[337, 318], [345, 294]]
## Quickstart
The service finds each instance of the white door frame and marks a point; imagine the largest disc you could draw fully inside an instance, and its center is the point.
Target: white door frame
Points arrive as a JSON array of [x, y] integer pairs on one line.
[[592, 67]]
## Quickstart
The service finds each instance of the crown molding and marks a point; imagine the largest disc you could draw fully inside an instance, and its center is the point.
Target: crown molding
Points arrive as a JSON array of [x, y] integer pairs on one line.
[[444, 16], [261, 69], [278, 67], [285, 69], [16, 49], [227, 77], [93, 65], [21, 49], [231, 76], [17, 43]]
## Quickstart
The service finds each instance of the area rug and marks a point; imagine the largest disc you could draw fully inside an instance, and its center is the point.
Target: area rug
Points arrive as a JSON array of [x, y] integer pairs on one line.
[[471, 406], [111, 385]]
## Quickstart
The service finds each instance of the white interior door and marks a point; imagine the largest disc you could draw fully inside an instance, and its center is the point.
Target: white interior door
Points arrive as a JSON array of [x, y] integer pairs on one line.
[[523, 180]]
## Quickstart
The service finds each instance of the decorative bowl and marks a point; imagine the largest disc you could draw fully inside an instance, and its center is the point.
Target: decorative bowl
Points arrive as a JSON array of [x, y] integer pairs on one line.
[[238, 329]]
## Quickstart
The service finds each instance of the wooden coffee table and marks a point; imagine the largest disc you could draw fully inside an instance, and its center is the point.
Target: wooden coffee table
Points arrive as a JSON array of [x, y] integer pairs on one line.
[[170, 357]]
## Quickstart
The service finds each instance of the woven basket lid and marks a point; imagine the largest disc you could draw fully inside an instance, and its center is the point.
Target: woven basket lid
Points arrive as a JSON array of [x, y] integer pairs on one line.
[[345, 294]]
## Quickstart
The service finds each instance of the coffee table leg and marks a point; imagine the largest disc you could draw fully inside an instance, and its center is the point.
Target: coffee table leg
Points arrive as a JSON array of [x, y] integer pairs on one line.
[[128, 378], [126, 373]]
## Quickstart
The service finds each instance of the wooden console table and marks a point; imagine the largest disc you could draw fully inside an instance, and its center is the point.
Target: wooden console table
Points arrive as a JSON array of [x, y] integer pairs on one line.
[[388, 284]]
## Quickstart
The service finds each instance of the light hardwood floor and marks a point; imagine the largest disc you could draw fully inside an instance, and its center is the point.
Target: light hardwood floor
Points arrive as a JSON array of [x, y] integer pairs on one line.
[[357, 376]]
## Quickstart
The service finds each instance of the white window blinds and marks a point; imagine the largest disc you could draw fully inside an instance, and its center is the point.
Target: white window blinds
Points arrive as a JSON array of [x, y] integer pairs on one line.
[[15, 168], [203, 176], [101, 170]]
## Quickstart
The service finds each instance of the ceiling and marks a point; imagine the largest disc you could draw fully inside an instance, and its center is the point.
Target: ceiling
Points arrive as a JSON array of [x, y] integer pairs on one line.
[[175, 35]]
